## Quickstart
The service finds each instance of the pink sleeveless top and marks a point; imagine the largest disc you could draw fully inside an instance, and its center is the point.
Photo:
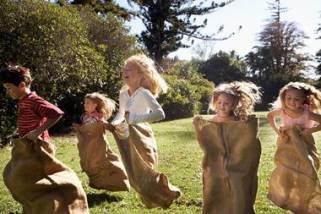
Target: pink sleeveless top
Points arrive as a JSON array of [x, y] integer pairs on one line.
[[92, 117], [302, 121]]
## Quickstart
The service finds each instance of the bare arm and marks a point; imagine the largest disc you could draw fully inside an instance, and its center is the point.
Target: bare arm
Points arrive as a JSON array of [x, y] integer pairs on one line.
[[317, 118], [271, 119]]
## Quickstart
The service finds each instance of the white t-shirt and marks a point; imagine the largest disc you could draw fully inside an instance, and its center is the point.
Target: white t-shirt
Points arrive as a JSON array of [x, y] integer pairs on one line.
[[141, 105]]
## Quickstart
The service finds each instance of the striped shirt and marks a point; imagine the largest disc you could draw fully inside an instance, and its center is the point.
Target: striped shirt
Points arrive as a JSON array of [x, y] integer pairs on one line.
[[33, 112]]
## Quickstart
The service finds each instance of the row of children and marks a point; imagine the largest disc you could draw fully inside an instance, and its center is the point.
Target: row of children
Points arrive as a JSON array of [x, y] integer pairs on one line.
[[229, 141]]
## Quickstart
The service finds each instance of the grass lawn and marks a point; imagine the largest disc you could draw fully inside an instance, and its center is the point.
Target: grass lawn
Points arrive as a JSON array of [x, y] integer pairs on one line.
[[179, 158]]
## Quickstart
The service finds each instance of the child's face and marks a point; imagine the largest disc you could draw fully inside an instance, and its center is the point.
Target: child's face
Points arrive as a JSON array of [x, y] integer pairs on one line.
[[89, 105], [224, 105], [131, 76], [294, 99], [15, 92]]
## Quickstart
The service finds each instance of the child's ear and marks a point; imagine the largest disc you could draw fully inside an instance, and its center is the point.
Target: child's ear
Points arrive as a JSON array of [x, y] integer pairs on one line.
[[142, 81]]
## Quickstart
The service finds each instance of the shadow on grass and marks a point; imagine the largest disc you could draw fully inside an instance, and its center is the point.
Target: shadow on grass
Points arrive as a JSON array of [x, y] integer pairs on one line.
[[95, 199], [198, 202]]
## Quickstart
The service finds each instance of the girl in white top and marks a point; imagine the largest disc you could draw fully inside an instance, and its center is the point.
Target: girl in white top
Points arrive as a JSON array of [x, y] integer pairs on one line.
[[138, 96], [141, 106], [137, 107]]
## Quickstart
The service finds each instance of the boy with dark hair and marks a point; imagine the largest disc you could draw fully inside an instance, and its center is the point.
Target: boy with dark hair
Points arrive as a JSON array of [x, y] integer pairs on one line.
[[35, 115], [35, 178]]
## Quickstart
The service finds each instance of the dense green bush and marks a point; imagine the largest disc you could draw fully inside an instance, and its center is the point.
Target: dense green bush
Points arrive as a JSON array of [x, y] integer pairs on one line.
[[7, 116], [188, 94], [223, 67], [66, 58], [111, 39]]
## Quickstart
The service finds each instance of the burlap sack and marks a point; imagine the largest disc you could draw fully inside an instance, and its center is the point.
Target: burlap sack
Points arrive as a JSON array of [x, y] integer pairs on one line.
[[101, 164], [231, 157], [294, 184], [40, 182], [139, 156]]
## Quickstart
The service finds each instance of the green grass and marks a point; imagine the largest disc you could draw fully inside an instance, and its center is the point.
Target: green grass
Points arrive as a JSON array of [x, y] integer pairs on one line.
[[179, 158]]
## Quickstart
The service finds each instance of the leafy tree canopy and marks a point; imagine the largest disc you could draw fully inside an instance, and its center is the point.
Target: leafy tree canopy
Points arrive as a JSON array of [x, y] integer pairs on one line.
[[100, 6], [168, 21]]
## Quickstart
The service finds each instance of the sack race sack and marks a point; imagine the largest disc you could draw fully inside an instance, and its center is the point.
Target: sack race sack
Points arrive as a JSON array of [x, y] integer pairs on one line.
[[40, 182], [230, 163], [294, 183], [98, 161], [138, 152]]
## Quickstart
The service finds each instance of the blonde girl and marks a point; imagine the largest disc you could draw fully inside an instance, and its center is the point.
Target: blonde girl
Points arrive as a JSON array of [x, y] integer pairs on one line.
[[294, 183], [231, 149], [103, 167], [297, 104], [142, 84], [234, 101], [97, 108], [137, 107]]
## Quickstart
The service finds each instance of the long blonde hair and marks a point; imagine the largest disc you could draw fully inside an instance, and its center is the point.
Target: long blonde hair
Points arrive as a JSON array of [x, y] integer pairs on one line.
[[152, 79], [312, 96], [244, 94], [105, 105]]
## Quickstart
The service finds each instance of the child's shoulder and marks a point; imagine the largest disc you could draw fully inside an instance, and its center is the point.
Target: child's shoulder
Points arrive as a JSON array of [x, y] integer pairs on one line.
[[35, 97], [31, 98], [123, 89], [277, 111], [145, 91]]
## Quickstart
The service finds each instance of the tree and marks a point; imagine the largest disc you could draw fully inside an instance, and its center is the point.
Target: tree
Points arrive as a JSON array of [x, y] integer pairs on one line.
[[277, 59], [111, 38], [281, 42], [189, 93], [223, 67], [40, 35], [99, 6], [168, 21]]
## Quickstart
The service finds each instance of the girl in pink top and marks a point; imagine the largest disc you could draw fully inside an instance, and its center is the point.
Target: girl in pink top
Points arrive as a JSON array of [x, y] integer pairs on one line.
[[294, 183], [297, 104], [97, 108]]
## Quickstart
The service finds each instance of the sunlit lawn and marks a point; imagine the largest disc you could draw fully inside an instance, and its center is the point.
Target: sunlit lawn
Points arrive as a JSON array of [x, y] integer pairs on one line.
[[179, 158]]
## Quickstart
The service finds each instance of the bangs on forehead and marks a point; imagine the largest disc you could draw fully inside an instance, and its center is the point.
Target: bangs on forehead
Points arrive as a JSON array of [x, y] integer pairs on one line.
[[226, 92], [218, 93], [301, 92]]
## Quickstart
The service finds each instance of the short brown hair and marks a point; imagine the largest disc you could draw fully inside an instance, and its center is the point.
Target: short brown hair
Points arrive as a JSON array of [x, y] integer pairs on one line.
[[15, 75]]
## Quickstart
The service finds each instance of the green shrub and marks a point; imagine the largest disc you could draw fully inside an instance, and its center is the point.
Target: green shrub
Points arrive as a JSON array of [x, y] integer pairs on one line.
[[66, 58], [189, 93], [7, 116]]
